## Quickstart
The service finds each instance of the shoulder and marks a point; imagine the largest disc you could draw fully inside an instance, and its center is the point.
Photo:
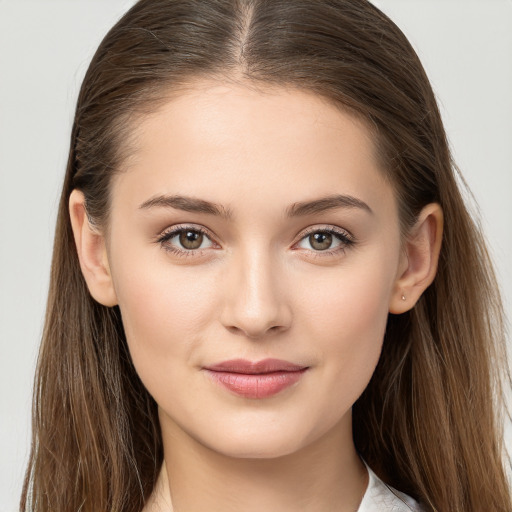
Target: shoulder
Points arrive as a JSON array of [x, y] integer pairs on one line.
[[380, 497]]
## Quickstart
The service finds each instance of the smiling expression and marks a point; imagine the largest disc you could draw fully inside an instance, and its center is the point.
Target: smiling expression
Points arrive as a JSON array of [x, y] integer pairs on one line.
[[253, 225]]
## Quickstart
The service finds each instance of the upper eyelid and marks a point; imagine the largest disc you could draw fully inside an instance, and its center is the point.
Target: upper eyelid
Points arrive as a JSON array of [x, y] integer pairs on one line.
[[173, 230], [328, 229], [202, 229]]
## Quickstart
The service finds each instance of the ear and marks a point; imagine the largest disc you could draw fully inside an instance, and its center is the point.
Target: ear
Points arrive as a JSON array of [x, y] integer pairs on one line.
[[92, 252], [418, 265]]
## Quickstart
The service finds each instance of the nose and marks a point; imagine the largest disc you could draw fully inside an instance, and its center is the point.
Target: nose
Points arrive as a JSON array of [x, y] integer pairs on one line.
[[255, 302]]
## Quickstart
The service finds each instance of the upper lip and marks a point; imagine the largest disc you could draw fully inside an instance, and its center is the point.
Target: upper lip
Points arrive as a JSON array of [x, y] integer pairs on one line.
[[255, 367]]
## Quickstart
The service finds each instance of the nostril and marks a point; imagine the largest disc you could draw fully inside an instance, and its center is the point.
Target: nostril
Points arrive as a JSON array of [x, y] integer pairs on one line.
[[255, 333]]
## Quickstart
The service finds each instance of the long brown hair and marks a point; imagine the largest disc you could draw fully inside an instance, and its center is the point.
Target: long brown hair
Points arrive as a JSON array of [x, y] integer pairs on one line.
[[428, 422]]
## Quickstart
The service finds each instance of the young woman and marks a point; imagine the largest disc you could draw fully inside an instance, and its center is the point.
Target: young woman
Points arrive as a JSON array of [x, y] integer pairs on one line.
[[266, 293]]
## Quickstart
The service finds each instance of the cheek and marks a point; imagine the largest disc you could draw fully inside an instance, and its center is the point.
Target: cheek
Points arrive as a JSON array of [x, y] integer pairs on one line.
[[352, 300], [347, 318], [164, 311]]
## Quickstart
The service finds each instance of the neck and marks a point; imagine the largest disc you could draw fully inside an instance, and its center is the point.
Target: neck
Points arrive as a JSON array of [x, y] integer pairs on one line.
[[324, 475]]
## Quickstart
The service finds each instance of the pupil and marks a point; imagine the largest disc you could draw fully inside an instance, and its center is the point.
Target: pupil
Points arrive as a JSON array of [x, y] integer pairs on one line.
[[320, 241]]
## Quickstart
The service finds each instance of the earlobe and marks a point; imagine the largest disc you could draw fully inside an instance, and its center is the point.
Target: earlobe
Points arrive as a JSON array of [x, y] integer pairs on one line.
[[92, 252], [420, 258]]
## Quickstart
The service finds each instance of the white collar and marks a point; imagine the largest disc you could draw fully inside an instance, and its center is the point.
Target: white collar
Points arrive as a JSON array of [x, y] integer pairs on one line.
[[380, 497]]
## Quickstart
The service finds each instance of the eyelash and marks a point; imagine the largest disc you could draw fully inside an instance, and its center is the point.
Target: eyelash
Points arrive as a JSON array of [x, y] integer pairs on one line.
[[346, 240], [164, 238]]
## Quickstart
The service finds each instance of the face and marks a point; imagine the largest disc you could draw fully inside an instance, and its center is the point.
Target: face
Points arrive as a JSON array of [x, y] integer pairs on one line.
[[249, 227]]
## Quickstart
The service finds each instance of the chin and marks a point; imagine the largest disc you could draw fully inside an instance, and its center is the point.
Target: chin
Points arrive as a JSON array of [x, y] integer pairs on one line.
[[261, 439], [256, 447]]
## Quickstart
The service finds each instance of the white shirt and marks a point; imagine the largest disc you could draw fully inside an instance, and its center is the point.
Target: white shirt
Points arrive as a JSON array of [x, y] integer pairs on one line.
[[380, 497]]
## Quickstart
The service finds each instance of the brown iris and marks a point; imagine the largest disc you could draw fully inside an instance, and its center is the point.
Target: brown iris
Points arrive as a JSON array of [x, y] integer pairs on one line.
[[191, 239], [320, 241]]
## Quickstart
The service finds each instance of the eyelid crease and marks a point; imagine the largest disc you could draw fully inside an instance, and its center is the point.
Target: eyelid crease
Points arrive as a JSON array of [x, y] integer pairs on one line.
[[168, 234], [345, 238], [171, 232], [329, 229]]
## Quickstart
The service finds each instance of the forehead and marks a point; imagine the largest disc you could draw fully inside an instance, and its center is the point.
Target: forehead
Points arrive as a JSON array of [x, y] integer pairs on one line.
[[219, 113], [231, 140]]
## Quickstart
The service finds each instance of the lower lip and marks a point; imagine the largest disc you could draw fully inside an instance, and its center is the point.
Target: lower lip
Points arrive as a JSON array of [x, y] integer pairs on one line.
[[260, 385]]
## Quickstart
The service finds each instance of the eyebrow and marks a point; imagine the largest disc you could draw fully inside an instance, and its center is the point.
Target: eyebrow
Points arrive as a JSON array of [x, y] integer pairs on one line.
[[323, 204], [187, 204], [299, 209]]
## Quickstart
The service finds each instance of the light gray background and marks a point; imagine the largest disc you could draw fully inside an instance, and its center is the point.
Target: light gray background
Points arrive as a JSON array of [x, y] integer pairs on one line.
[[45, 47]]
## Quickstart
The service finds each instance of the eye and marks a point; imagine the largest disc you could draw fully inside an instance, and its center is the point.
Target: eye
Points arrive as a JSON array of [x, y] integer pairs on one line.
[[185, 240], [192, 240], [328, 241]]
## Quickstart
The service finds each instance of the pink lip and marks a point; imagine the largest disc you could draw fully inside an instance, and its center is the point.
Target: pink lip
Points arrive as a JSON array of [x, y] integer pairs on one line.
[[259, 379]]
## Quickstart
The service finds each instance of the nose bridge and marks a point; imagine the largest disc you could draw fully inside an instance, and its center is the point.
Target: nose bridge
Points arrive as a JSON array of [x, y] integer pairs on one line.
[[255, 300]]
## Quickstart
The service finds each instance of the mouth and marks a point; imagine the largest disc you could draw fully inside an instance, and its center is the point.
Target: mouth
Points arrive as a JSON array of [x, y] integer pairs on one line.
[[255, 380]]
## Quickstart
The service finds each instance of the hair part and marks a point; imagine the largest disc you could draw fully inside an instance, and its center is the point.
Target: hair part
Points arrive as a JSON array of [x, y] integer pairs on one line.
[[426, 423]]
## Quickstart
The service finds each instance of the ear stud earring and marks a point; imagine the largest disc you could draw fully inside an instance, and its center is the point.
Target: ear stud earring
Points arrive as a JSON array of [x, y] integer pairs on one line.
[[403, 297]]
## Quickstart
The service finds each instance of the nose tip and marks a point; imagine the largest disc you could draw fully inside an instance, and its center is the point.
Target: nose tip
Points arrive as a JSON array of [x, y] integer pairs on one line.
[[255, 302], [256, 312]]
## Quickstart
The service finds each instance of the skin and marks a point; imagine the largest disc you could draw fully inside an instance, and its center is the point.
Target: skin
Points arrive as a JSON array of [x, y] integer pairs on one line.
[[258, 287]]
